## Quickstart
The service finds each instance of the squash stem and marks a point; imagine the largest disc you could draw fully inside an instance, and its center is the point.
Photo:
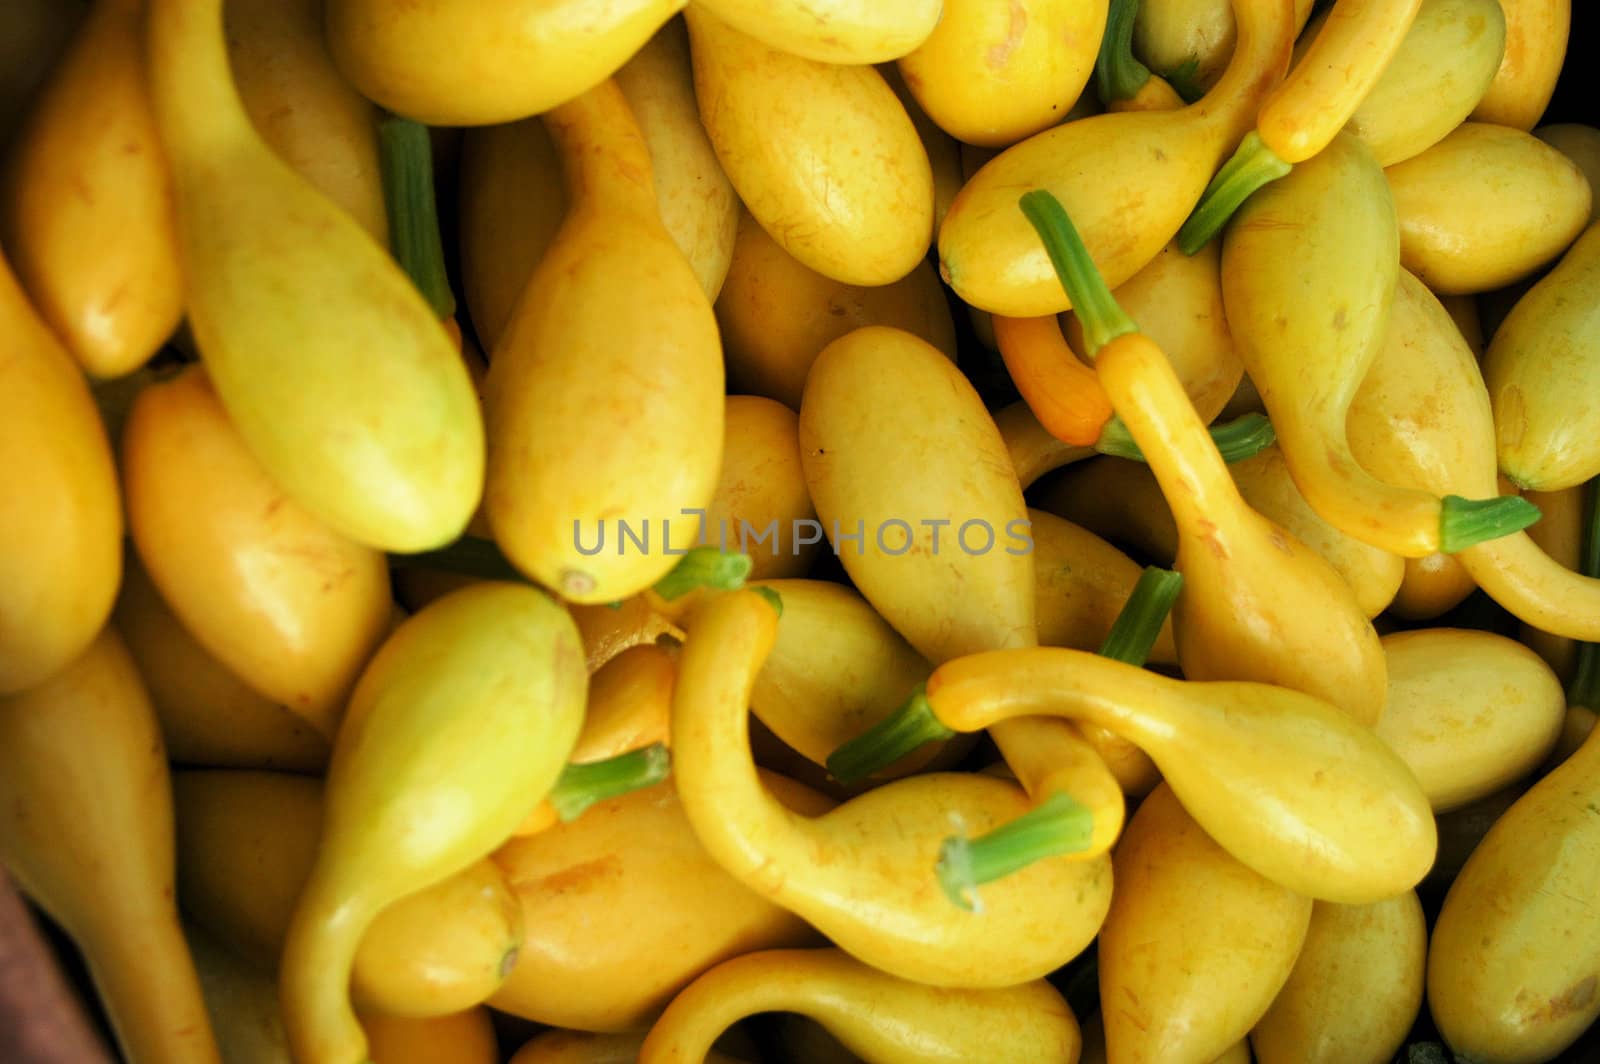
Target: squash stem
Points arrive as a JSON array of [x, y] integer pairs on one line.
[[1056, 826], [582, 785], [1185, 79], [1139, 624], [1243, 437], [708, 567], [772, 598], [1102, 318], [1252, 166], [1118, 73], [1466, 522], [406, 153], [1059, 824], [888, 741]]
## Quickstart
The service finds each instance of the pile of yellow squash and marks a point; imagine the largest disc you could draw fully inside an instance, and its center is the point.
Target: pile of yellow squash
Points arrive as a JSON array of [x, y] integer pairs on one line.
[[938, 530]]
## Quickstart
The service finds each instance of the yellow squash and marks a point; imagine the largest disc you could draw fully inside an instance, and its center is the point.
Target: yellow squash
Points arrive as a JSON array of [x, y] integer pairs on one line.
[[1196, 945], [1486, 206], [897, 444], [459, 725], [87, 210], [835, 670], [628, 708], [1257, 603], [1349, 54], [450, 64], [902, 458], [459, 1038], [59, 506], [1431, 586], [863, 874], [1559, 534], [1422, 416], [1536, 46], [1123, 502], [635, 859], [303, 107], [824, 156], [246, 841], [1470, 712], [846, 32], [512, 201], [1355, 990], [1304, 234], [1356, 830], [1514, 962], [992, 74], [1081, 585], [605, 389], [761, 507], [209, 717], [1177, 301], [511, 205], [86, 832], [990, 254], [285, 602], [1373, 574], [1541, 368], [776, 314], [1300, 234], [1170, 34], [629, 703], [880, 1018], [1581, 144], [698, 205], [337, 373], [1441, 71]]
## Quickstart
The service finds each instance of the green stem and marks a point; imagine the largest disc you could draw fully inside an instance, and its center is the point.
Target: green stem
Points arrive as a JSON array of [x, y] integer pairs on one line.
[[469, 556], [1243, 437], [581, 786], [1185, 80], [1058, 825], [1103, 320], [1466, 522], [1584, 690], [1251, 167], [710, 567], [1139, 624], [406, 152], [773, 598], [1115, 440], [888, 741], [1118, 73]]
